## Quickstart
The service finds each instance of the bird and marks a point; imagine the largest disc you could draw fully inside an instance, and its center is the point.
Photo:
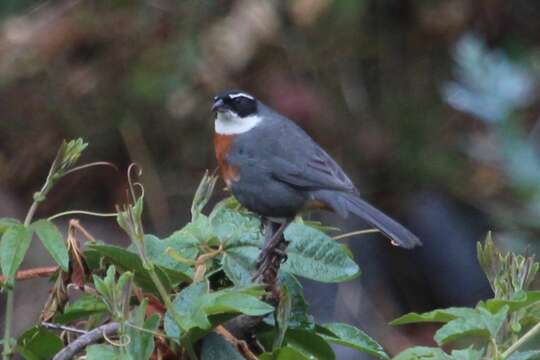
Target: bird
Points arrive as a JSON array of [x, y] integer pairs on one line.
[[276, 170]]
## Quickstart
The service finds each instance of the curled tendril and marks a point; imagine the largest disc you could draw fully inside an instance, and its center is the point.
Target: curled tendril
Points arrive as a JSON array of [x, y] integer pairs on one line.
[[140, 186], [134, 167], [121, 343]]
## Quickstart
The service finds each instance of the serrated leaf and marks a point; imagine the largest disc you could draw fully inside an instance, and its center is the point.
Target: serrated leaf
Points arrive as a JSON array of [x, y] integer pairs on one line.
[[468, 354], [285, 353], [350, 336], [104, 352], [309, 344], [525, 355], [283, 314], [483, 323], [518, 301], [101, 286], [156, 250], [188, 306], [194, 304], [86, 305], [300, 317], [215, 347], [236, 228], [39, 344], [232, 300], [53, 241], [239, 264], [141, 344], [128, 260], [201, 229], [314, 255], [442, 315], [423, 353], [6, 223], [13, 247]]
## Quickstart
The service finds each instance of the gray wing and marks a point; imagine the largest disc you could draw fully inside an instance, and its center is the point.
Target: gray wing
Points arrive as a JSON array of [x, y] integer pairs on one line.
[[300, 162]]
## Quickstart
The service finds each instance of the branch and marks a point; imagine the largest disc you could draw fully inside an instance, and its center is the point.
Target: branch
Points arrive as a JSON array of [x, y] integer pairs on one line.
[[239, 344], [83, 341], [33, 273], [53, 326]]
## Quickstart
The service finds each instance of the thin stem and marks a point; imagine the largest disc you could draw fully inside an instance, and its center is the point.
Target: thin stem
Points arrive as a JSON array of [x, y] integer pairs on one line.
[[54, 326], [170, 307], [81, 212], [86, 166], [495, 349], [6, 354], [354, 233], [526, 337], [30, 213], [10, 302]]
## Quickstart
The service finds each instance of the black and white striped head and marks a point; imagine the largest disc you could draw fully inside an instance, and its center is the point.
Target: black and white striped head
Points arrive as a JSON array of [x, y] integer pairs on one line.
[[236, 112]]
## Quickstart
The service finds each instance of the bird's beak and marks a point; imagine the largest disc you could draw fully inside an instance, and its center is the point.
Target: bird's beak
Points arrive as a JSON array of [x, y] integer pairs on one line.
[[219, 106]]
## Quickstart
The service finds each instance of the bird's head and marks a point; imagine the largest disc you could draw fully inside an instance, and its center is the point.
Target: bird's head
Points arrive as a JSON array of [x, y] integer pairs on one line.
[[236, 112]]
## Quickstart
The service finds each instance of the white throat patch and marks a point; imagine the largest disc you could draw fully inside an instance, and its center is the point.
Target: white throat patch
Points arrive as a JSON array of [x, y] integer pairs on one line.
[[228, 123]]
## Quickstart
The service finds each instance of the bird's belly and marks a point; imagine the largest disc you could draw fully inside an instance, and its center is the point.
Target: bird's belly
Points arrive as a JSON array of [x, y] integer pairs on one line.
[[269, 197]]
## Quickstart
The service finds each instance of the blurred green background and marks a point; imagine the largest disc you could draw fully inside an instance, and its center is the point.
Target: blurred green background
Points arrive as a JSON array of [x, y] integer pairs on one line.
[[430, 106]]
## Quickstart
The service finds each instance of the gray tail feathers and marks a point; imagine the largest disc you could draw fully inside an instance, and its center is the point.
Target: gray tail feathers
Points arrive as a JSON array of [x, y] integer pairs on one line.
[[343, 204]]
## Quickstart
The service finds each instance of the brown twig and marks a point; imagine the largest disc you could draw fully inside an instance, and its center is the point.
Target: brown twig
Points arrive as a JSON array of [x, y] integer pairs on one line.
[[77, 225], [33, 273], [239, 344], [83, 341]]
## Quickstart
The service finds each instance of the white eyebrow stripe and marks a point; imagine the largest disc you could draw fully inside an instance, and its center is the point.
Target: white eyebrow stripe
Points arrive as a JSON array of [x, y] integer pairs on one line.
[[234, 96]]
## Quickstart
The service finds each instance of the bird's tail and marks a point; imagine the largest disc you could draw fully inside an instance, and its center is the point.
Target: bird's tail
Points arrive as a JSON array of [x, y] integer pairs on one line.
[[343, 204]]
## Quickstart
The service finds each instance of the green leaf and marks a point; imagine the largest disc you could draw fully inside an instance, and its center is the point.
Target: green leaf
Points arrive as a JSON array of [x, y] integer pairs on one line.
[[314, 255], [215, 347], [236, 301], [86, 305], [483, 323], [350, 336], [156, 250], [283, 314], [188, 306], [53, 241], [285, 353], [442, 315], [239, 264], [421, 353], [6, 223], [468, 354], [236, 228], [299, 317], [525, 355], [39, 343], [201, 229], [128, 260], [141, 344], [194, 304], [104, 352], [203, 194], [518, 301], [309, 344], [13, 247]]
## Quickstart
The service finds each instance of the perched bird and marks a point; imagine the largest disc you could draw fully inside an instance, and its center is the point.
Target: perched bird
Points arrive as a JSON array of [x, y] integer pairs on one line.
[[276, 170]]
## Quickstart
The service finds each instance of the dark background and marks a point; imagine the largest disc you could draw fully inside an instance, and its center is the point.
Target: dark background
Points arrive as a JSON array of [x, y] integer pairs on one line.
[[430, 106]]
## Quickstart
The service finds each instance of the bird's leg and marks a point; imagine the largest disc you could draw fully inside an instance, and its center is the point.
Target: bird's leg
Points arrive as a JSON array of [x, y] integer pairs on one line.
[[268, 228], [272, 254]]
